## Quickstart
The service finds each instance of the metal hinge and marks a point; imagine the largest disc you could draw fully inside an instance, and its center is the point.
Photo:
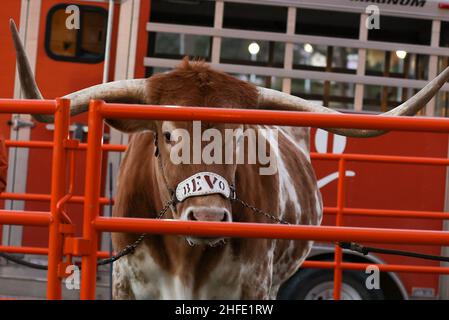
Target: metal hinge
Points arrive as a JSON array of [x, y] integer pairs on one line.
[[76, 246]]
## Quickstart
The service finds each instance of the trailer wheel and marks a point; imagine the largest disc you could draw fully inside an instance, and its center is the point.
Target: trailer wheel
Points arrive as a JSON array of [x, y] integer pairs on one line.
[[317, 284]]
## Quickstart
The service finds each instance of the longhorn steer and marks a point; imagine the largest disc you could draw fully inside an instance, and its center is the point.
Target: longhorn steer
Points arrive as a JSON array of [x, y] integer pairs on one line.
[[177, 267]]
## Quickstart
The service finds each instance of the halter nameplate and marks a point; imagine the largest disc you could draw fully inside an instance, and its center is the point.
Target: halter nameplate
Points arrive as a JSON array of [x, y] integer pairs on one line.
[[202, 183]]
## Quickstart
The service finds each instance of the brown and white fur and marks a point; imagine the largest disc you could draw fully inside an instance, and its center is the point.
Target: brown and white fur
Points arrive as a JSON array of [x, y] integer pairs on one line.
[[166, 266]]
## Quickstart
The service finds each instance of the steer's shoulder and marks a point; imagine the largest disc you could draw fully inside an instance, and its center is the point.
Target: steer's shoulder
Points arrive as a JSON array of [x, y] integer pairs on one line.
[[299, 136]]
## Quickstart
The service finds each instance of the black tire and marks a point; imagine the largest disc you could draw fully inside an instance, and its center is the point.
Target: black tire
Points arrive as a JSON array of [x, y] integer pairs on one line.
[[315, 284]]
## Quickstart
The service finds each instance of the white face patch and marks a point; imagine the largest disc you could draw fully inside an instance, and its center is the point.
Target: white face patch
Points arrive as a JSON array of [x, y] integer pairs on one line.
[[202, 183]]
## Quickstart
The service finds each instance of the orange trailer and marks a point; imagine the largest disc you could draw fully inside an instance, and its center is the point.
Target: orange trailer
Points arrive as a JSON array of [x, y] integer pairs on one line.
[[403, 185]]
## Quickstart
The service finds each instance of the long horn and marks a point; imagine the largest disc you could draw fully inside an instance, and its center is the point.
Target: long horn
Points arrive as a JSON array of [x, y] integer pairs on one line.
[[273, 99], [127, 91]]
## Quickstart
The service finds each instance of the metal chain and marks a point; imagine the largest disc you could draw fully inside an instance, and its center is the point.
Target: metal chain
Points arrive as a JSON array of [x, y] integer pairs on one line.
[[125, 251], [259, 211], [345, 245], [130, 248], [352, 246]]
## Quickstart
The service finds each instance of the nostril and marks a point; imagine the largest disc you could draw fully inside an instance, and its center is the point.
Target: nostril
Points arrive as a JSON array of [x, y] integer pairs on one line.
[[191, 216], [226, 217]]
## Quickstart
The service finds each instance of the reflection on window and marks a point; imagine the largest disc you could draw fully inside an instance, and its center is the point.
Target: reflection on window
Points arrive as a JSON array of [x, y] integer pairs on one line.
[[175, 45], [382, 98], [264, 81], [397, 64], [443, 62], [302, 87], [375, 60], [442, 104], [306, 54], [333, 94], [442, 99], [85, 44], [254, 17], [242, 51], [345, 58], [325, 58]]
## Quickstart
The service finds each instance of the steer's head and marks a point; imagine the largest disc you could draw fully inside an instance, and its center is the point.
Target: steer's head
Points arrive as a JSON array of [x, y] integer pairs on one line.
[[196, 160], [182, 163], [191, 156], [200, 188]]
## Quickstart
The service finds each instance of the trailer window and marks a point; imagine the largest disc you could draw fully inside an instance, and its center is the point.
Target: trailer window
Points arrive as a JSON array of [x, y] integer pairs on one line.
[[86, 44], [327, 23], [185, 12], [235, 51], [402, 30], [444, 34], [254, 17]]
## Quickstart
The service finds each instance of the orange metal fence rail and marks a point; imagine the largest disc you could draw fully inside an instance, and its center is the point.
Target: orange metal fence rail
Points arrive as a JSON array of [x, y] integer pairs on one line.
[[60, 109], [93, 223]]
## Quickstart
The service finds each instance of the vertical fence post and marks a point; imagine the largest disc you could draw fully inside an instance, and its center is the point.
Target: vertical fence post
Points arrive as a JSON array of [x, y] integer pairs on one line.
[[339, 222], [92, 199], [58, 174]]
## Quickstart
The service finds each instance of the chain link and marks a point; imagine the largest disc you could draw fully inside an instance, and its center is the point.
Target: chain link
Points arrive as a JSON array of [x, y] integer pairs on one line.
[[130, 248], [259, 211]]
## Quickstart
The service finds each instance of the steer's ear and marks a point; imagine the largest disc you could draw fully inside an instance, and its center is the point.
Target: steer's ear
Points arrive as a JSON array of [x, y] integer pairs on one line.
[[131, 125]]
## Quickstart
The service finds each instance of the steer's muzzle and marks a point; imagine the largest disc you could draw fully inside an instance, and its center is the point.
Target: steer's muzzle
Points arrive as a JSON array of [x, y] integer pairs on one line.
[[213, 208], [208, 214]]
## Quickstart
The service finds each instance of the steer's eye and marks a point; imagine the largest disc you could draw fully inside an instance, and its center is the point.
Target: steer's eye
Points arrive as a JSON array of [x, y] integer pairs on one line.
[[167, 136]]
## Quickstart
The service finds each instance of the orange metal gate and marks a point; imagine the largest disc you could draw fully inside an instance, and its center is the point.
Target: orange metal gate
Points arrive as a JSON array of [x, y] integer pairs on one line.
[[63, 245]]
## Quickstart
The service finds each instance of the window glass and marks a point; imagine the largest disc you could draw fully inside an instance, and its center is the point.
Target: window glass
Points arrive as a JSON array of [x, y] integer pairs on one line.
[[397, 64], [177, 45], [444, 34], [307, 55], [86, 44], [443, 62], [94, 37], [63, 41], [325, 58], [442, 99], [187, 12], [333, 94], [382, 98], [327, 23], [344, 59], [402, 30], [154, 70], [243, 51], [442, 104], [254, 17], [375, 60], [264, 81]]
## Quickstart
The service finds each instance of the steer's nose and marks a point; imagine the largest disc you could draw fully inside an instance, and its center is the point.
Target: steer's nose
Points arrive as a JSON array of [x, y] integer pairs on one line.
[[208, 214]]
